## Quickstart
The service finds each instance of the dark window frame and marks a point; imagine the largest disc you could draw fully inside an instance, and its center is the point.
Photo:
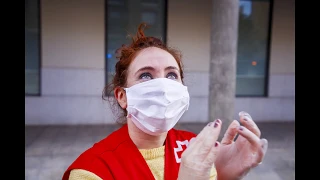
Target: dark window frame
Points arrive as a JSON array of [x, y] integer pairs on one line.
[[39, 53], [165, 26], [268, 54]]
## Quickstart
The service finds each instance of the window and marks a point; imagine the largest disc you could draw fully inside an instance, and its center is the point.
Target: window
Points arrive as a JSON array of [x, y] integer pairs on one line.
[[253, 47], [123, 18], [32, 47]]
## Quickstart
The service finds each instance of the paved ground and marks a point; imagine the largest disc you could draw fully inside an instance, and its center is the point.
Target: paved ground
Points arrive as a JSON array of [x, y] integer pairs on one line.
[[49, 150]]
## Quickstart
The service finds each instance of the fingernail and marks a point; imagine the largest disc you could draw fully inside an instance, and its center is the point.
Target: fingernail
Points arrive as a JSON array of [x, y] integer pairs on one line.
[[241, 128], [242, 113], [210, 123], [216, 144], [245, 115], [216, 124], [218, 121]]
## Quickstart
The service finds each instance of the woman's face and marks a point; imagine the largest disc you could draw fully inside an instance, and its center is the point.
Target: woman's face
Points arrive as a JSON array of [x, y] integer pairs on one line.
[[152, 63]]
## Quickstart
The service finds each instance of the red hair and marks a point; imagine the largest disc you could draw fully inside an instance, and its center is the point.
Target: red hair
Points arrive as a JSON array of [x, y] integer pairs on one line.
[[126, 55]]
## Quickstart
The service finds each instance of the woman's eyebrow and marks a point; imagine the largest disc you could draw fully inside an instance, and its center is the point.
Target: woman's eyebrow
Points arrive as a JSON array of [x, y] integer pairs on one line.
[[171, 67], [145, 68], [153, 69]]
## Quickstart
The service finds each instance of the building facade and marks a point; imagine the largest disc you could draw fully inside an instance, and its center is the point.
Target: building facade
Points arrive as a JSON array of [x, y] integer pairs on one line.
[[70, 55]]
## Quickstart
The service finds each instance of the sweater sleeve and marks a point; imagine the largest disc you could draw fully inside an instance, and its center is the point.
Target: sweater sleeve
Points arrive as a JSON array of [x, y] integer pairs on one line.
[[80, 174], [213, 173]]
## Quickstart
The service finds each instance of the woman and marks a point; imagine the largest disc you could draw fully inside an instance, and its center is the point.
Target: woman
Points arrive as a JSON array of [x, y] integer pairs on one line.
[[148, 87]]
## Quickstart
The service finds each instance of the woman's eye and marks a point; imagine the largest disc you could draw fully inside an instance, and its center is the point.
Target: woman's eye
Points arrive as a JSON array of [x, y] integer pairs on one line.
[[145, 76], [172, 75]]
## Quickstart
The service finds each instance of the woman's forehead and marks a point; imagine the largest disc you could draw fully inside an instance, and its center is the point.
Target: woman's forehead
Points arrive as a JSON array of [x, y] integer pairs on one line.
[[154, 57]]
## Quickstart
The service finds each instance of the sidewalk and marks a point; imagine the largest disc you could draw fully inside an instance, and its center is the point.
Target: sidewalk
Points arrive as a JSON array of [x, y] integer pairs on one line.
[[49, 150]]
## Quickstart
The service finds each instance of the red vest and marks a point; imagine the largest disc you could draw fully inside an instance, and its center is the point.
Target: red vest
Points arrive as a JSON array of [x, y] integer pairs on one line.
[[117, 157]]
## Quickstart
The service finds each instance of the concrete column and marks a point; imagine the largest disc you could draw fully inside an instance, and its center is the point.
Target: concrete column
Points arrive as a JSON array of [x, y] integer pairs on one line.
[[224, 35]]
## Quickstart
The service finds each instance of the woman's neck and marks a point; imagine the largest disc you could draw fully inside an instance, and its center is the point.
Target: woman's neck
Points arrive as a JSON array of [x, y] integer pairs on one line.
[[143, 140]]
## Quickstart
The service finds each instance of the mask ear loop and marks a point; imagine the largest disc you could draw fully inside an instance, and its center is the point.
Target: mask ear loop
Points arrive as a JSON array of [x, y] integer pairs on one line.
[[127, 114]]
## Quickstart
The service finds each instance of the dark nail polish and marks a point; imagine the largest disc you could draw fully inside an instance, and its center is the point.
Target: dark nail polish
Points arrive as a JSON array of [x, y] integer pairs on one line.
[[218, 121], [216, 124], [241, 128], [245, 119], [216, 144]]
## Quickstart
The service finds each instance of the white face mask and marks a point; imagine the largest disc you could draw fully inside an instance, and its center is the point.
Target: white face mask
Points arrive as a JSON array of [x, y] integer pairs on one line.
[[156, 105]]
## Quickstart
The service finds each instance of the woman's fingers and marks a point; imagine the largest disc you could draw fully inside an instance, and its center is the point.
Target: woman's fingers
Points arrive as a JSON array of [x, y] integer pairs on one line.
[[204, 145], [259, 146], [247, 121], [213, 153], [250, 136], [262, 151], [211, 136], [264, 145], [207, 137], [231, 133]]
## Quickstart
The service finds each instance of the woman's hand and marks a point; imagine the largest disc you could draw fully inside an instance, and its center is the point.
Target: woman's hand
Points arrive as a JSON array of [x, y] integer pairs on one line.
[[198, 159], [236, 158]]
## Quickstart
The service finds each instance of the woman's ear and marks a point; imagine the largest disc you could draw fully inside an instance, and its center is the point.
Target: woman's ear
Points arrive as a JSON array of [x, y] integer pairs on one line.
[[121, 97]]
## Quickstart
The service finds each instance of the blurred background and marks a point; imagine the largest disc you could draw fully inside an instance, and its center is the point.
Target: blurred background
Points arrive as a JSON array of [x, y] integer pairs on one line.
[[69, 58]]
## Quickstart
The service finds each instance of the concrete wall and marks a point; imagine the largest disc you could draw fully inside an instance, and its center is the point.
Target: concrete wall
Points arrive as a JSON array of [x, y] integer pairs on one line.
[[191, 19], [73, 63], [280, 104]]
